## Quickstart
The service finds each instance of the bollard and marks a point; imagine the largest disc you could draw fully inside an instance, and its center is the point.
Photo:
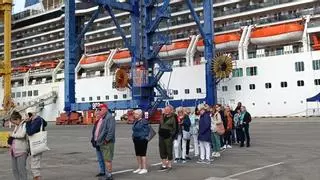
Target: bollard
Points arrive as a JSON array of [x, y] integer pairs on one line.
[[4, 139]]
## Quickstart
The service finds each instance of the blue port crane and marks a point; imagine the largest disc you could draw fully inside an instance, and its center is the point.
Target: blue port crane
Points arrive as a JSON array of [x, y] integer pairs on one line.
[[144, 47]]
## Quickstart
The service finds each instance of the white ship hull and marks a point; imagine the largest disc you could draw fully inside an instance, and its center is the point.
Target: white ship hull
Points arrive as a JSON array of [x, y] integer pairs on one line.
[[261, 102]]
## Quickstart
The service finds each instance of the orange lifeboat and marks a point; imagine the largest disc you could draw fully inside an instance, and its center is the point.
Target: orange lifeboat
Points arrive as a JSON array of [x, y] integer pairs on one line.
[[222, 42], [176, 49], [93, 61], [277, 34], [122, 57], [316, 42], [44, 64], [20, 69]]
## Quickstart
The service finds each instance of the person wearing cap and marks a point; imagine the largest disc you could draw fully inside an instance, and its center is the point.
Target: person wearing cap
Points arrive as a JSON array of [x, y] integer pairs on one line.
[[103, 139], [33, 126]]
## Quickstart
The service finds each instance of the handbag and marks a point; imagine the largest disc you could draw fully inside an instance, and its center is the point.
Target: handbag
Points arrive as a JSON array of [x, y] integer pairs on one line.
[[220, 129], [165, 133], [186, 135], [151, 134], [38, 142]]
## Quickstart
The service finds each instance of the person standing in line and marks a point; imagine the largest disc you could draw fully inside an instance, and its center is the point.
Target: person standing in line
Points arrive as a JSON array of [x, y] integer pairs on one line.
[[94, 138], [106, 137], [239, 105], [140, 133], [185, 133], [178, 137], [33, 126], [224, 121], [239, 127], [193, 132], [167, 130], [228, 127], [246, 119], [18, 147], [204, 134], [215, 137]]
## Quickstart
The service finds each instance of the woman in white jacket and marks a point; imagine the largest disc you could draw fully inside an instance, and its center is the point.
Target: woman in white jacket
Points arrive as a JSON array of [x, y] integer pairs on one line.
[[18, 147], [215, 137]]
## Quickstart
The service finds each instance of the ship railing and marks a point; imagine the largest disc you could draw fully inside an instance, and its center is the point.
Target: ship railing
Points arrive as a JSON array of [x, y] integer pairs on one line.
[[38, 102]]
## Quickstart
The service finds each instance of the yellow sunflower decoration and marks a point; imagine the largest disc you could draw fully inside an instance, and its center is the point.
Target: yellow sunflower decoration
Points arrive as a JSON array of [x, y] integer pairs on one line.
[[222, 66]]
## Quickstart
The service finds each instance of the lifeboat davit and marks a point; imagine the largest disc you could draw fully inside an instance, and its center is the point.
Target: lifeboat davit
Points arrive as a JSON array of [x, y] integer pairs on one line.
[[20, 69], [122, 57], [176, 49], [227, 41], [93, 61], [277, 34]]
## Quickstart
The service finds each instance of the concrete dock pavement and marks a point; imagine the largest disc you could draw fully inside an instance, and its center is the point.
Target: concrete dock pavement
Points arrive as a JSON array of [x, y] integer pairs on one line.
[[281, 149]]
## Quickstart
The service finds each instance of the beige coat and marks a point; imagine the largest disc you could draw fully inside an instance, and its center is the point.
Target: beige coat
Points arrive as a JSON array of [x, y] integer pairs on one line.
[[20, 141], [215, 119]]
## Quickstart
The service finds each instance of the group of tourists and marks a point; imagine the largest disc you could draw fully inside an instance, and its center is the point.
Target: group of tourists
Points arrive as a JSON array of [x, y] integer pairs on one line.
[[210, 129], [19, 146]]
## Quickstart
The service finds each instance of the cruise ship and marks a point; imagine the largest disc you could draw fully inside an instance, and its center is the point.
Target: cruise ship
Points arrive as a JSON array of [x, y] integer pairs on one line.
[[274, 45]]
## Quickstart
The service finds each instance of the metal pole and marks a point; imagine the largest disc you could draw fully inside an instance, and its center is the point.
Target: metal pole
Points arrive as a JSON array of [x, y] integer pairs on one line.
[[69, 54], [208, 28], [7, 54]]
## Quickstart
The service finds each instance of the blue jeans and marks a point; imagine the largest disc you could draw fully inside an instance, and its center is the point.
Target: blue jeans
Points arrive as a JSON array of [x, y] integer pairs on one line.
[[102, 165]]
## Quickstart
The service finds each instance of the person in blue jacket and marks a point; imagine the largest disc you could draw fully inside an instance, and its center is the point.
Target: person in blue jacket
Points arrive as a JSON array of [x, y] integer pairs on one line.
[[140, 133], [33, 126], [204, 136]]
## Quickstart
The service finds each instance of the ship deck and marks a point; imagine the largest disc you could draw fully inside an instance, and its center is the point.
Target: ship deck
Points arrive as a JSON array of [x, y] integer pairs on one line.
[[281, 149]]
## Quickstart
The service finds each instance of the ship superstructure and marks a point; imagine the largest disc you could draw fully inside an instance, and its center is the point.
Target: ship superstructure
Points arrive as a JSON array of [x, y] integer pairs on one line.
[[274, 43]]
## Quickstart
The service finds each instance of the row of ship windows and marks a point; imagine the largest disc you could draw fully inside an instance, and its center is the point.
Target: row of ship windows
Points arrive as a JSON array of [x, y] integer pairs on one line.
[[25, 94], [253, 71], [124, 96], [299, 66], [284, 102], [283, 84]]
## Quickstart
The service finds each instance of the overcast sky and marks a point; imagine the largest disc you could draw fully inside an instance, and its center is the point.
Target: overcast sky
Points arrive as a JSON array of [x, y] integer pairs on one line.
[[18, 6]]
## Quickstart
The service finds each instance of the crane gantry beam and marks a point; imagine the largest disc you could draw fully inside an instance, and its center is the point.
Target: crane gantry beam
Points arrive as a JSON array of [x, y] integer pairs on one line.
[[144, 47], [5, 65]]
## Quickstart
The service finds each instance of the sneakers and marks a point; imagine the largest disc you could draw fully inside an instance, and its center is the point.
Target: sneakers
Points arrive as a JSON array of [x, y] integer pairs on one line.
[[217, 155], [137, 171], [229, 147], [188, 158], [109, 178], [143, 171], [176, 160], [183, 160], [208, 161], [213, 154], [100, 174], [163, 168], [200, 161]]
